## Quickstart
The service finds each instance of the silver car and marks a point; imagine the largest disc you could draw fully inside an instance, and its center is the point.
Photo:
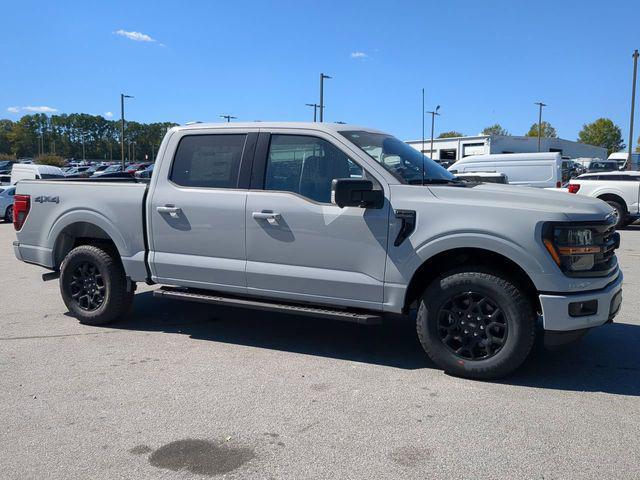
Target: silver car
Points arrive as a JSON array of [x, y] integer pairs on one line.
[[6, 203]]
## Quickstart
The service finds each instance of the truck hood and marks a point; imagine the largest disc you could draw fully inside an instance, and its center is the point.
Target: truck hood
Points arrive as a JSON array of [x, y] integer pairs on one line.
[[574, 207]]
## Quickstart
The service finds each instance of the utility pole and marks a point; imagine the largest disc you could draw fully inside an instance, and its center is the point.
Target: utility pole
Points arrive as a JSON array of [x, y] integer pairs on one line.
[[321, 106], [633, 104], [122, 97], [228, 117], [315, 110], [540, 104], [433, 119], [83, 146], [133, 149]]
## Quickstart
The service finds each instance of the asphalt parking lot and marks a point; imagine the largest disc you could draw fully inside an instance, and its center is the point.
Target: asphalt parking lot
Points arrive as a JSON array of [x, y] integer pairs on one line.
[[185, 390]]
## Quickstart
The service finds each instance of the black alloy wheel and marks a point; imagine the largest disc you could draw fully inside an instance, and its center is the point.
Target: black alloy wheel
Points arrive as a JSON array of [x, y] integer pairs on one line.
[[87, 287], [472, 326]]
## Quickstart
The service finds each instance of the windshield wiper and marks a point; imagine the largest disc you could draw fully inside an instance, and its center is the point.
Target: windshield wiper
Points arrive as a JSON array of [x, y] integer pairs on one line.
[[442, 181]]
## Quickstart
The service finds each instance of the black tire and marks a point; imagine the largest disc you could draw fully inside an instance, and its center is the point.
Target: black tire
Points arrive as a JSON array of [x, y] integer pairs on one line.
[[94, 286], [8, 214], [440, 323], [620, 212]]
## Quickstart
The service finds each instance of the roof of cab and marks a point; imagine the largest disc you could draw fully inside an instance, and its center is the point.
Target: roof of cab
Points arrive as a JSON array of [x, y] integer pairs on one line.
[[319, 126]]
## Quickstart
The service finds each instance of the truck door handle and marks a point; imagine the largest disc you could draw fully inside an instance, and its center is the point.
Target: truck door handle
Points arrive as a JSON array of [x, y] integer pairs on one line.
[[172, 210], [270, 217]]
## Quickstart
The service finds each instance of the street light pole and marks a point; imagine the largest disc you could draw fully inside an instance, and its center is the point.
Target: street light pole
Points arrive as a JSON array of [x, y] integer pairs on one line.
[[633, 104], [433, 120], [122, 97], [540, 104], [423, 112], [315, 110], [228, 117], [321, 106]]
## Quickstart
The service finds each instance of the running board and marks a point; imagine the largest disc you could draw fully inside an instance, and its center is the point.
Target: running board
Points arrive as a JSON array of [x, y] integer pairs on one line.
[[211, 298]]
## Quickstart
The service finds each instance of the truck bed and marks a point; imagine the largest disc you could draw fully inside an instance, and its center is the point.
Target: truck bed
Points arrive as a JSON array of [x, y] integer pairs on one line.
[[60, 207]]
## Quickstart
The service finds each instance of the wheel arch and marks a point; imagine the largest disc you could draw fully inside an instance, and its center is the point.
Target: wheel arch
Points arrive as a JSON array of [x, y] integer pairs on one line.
[[614, 198], [447, 260], [80, 233]]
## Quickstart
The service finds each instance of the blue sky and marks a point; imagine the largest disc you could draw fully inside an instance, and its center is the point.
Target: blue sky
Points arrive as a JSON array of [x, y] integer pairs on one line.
[[483, 62]]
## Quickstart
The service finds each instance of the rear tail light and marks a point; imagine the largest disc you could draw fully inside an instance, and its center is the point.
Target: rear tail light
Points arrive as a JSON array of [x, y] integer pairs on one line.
[[21, 206], [574, 187], [558, 184]]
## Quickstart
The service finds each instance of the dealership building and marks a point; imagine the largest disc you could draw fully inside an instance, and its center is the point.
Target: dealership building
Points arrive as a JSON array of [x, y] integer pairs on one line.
[[451, 149]]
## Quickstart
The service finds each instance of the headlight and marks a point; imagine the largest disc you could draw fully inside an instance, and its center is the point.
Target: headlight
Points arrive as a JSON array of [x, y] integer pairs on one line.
[[573, 248]]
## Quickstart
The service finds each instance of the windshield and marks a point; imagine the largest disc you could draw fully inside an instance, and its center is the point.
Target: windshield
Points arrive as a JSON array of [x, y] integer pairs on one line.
[[405, 162], [113, 168]]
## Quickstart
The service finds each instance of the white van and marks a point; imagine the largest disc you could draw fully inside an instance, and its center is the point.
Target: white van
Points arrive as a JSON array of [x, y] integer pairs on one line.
[[543, 170], [622, 157], [27, 171]]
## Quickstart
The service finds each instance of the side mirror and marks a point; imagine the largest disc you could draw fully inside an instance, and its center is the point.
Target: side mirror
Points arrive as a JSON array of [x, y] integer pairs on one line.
[[354, 192]]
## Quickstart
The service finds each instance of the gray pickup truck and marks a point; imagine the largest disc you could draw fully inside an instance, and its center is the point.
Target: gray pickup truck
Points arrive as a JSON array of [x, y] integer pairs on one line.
[[334, 221]]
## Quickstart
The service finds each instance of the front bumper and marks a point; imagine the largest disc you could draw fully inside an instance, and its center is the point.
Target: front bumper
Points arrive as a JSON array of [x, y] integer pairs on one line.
[[555, 308]]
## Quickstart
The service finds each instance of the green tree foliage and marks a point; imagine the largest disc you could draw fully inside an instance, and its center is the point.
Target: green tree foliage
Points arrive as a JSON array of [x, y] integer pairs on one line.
[[547, 130], [48, 159], [495, 130], [64, 135], [602, 133], [450, 134]]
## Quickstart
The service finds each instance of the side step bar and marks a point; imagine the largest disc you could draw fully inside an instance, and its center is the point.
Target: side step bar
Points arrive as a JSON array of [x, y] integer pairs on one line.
[[265, 305]]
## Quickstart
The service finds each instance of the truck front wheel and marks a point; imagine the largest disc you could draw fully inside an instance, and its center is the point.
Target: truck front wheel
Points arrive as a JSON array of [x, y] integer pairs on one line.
[[475, 323], [94, 286]]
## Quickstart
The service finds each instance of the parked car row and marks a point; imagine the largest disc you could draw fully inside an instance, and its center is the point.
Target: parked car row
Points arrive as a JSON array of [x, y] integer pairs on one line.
[[21, 171]]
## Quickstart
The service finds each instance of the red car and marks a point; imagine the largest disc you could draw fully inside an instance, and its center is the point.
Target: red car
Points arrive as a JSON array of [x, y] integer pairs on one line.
[[134, 167]]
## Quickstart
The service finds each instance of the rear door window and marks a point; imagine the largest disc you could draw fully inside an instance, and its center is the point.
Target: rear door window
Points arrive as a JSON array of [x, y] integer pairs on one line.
[[209, 161]]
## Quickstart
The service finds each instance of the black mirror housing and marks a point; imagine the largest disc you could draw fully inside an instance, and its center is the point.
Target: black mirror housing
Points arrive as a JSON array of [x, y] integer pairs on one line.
[[354, 192]]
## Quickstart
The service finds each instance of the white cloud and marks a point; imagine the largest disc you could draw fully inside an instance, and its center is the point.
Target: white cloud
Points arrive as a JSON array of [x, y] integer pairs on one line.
[[39, 109], [136, 36], [108, 114], [359, 55], [32, 109]]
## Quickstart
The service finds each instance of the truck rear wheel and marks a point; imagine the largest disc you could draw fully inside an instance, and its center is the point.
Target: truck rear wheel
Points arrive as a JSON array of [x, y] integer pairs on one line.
[[94, 286], [475, 323]]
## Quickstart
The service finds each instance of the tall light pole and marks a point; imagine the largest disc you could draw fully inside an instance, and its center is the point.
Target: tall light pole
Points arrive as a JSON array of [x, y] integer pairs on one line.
[[633, 104], [315, 110], [540, 104], [122, 97], [433, 119], [423, 112], [321, 106], [228, 117]]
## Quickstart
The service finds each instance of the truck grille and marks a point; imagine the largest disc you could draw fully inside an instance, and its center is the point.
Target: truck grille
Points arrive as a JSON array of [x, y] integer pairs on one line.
[[605, 236]]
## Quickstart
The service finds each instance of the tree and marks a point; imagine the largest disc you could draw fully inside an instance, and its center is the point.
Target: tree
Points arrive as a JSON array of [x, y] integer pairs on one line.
[[602, 133], [547, 131], [47, 159], [5, 129], [450, 134], [495, 130]]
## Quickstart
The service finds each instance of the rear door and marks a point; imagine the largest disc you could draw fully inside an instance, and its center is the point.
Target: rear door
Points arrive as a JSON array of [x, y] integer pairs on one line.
[[197, 207], [299, 245]]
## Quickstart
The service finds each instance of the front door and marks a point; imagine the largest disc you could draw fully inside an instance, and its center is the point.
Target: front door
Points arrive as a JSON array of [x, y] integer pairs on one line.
[[299, 245], [197, 211]]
